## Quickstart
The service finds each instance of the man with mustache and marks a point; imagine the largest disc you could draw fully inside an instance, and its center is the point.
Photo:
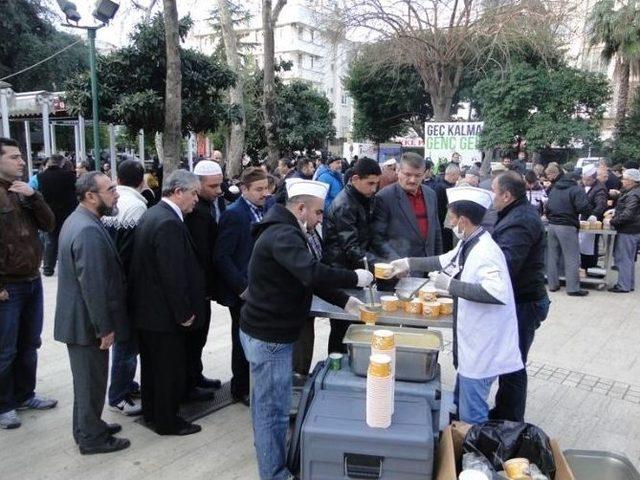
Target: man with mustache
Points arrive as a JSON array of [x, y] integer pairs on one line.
[[90, 309]]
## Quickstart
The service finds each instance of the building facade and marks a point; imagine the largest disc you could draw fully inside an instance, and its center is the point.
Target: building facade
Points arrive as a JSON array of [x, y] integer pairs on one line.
[[300, 39]]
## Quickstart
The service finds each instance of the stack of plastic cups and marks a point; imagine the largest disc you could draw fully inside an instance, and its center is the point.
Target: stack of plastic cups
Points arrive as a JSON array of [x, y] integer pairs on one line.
[[383, 342], [379, 388]]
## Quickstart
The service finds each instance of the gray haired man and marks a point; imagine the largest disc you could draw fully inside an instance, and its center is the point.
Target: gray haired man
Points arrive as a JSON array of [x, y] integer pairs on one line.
[[626, 221], [90, 309], [168, 288]]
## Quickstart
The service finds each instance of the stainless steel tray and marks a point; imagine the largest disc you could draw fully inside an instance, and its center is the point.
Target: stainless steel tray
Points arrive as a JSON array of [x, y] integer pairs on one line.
[[413, 364], [320, 308], [600, 465]]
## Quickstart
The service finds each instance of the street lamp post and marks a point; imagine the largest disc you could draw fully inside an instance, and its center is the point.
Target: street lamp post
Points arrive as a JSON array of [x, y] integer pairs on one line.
[[104, 12], [94, 96]]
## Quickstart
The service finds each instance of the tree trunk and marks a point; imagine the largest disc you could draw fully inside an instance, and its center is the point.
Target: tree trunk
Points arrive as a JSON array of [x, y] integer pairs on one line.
[[236, 95], [624, 70], [269, 19], [173, 93]]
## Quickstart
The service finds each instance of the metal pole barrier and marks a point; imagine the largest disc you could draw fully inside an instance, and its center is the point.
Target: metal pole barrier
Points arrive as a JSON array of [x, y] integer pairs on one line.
[[112, 151], [27, 141]]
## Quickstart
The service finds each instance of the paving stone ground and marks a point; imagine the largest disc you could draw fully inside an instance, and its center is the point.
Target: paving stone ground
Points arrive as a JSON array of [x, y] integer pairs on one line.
[[584, 390]]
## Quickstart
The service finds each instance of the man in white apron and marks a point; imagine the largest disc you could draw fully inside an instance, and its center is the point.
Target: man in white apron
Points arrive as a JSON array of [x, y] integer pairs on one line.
[[485, 329]]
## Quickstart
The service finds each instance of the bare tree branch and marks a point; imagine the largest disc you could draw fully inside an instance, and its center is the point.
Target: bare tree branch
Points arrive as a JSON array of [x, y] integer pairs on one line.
[[276, 11]]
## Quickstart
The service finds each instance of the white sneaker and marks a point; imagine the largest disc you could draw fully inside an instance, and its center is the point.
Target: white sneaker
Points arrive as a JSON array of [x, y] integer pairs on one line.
[[127, 407], [9, 420]]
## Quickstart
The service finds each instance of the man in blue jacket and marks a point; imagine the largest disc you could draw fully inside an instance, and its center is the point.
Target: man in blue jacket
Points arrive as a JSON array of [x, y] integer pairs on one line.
[[520, 235], [232, 253], [331, 174]]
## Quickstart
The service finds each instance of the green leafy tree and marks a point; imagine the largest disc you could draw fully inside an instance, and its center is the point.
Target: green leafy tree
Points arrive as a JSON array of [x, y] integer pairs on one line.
[[27, 36], [132, 84], [627, 146], [304, 118], [546, 106], [616, 26], [388, 100]]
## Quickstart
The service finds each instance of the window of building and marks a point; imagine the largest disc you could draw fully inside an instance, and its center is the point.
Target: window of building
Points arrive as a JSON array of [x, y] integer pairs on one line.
[[299, 60], [300, 32], [311, 61], [344, 99]]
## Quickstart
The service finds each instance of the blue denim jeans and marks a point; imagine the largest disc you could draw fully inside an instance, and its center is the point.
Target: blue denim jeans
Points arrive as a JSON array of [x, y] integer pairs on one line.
[[124, 361], [270, 367], [470, 395], [20, 329], [511, 398]]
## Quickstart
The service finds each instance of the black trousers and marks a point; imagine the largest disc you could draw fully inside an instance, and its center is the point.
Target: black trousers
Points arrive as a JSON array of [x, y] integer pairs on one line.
[[89, 369], [303, 348], [239, 363], [511, 397], [196, 340], [338, 329], [50, 256], [163, 367]]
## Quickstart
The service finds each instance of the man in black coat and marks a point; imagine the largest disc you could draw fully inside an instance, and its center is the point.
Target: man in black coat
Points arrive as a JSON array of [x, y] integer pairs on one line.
[[168, 288], [283, 276], [202, 224], [626, 221], [519, 233], [347, 231], [58, 187], [567, 202]]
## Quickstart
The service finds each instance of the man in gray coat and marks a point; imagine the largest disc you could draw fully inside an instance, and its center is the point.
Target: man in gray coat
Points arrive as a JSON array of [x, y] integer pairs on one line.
[[90, 309], [405, 220]]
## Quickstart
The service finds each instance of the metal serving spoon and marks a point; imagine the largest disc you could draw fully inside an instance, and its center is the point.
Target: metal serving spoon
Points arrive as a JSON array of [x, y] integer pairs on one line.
[[372, 297], [407, 298]]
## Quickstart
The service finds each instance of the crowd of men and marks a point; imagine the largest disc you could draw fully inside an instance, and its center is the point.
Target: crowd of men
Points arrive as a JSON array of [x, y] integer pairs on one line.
[[137, 274]]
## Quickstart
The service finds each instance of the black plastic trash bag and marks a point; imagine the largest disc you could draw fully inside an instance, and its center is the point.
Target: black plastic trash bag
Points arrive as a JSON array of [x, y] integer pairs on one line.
[[500, 440]]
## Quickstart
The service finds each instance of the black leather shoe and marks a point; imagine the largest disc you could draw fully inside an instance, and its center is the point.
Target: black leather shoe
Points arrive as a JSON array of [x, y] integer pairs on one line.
[[113, 428], [579, 293], [185, 429], [243, 399], [200, 395], [554, 289], [113, 444], [209, 383], [617, 289]]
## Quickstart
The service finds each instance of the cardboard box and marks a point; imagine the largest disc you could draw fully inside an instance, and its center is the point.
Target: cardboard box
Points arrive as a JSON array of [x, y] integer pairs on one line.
[[449, 455]]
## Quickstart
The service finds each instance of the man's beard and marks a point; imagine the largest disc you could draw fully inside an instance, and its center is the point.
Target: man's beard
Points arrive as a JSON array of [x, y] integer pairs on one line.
[[105, 211]]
